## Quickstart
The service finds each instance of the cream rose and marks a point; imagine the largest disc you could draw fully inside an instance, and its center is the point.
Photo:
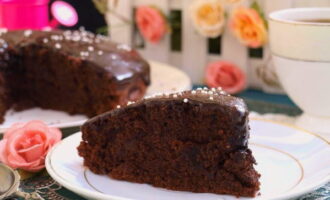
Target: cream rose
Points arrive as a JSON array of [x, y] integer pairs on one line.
[[249, 27], [208, 17], [234, 1]]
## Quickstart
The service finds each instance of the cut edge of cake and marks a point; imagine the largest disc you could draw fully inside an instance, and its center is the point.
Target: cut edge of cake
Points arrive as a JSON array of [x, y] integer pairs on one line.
[[188, 141]]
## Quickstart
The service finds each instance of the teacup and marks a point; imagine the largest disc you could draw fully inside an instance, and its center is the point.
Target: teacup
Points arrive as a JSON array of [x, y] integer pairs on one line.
[[300, 44]]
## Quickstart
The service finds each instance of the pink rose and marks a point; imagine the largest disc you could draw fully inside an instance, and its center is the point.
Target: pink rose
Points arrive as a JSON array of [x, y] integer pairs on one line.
[[151, 23], [226, 75], [25, 145]]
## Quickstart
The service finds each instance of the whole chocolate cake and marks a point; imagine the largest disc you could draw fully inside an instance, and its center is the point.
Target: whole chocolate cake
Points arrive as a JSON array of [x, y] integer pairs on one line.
[[191, 141], [73, 71]]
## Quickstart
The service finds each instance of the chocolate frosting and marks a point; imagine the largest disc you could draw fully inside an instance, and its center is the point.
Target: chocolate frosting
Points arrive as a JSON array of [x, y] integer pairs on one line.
[[204, 98], [215, 96], [119, 60]]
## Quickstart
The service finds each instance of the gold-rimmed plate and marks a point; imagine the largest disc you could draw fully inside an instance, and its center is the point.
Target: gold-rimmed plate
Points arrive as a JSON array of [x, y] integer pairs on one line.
[[292, 162]]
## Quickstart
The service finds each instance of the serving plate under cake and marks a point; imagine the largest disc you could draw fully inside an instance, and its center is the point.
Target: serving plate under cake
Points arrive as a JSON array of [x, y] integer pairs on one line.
[[291, 161], [174, 81]]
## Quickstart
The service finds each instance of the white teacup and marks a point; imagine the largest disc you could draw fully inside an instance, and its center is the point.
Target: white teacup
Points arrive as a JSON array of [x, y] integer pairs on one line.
[[300, 44]]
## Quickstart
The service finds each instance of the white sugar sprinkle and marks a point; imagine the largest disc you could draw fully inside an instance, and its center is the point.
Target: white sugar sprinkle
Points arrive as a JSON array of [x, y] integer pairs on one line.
[[185, 100], [100, 53], [45, 40], [124, 47], [193, 92], [175, 96], [90, 48], [211, 98], [54, 37], [27, 33], [3, 30], [130, 102], [210, 92], [84, 53], [58, 46], [118, 106]]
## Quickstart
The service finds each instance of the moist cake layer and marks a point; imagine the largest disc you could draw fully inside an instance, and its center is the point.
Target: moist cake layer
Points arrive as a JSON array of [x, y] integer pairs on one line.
[[192, 141]]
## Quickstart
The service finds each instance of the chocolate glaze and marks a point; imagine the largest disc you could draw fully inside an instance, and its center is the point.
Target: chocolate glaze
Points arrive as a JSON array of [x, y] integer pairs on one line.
[[72, 71], [206, 99], [119, 60], [188, 141]]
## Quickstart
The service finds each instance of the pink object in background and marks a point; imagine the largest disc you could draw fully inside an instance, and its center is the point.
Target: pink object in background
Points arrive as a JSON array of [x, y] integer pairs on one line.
[[226, 75], [151, 23], [33, 14], [64, 14], [24, 14]]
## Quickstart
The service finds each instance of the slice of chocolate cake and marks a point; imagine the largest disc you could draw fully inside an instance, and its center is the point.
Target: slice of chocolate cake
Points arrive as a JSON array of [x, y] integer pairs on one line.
[[72, 71], [191, 141]]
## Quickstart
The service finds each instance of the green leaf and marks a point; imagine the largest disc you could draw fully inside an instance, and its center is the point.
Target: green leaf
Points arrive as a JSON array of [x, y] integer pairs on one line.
[[255, 5], [101, 5], [102, 30]]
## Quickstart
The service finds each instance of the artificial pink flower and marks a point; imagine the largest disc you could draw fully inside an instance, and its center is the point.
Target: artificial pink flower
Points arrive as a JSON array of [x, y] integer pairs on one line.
[[25, 145], [151, 23], [226, 75]]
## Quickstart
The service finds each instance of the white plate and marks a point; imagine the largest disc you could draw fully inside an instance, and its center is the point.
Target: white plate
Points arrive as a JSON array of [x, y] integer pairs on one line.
[[291, 161], [174, 80]]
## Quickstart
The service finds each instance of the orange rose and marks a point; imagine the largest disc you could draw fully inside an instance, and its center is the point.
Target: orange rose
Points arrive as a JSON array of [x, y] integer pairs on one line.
[[151, 23], [25, 146], [226, 75], [249, 27]]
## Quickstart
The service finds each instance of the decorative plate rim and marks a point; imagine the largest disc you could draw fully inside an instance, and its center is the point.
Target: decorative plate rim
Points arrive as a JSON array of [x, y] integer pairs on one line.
[[97, 195]]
